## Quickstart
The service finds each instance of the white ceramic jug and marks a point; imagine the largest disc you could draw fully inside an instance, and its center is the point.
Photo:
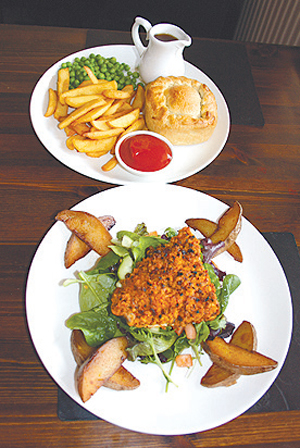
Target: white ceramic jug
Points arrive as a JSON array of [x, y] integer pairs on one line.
[[164, 54]]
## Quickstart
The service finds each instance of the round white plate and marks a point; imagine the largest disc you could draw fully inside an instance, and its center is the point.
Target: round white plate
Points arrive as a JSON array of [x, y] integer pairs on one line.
[[263, 299], [188, 160]]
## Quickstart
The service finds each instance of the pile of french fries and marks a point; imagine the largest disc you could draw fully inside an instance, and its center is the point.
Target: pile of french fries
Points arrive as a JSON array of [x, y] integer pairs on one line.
[[100, 115]]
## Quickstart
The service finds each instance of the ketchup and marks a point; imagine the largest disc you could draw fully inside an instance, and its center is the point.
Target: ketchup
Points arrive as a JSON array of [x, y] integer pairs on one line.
[[145, 153]]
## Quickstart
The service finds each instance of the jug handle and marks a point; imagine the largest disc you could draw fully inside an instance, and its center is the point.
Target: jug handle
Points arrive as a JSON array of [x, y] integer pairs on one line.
[[139, 21]]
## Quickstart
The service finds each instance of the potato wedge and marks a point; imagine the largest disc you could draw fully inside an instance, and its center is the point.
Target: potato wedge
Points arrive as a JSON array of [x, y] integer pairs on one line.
[[245, 336], [80, 349], [237, 359], [101, 366], [229, 225], [52, 102], [75, 250], [216, 376], [207, 228], [122, 379], [88, 228]]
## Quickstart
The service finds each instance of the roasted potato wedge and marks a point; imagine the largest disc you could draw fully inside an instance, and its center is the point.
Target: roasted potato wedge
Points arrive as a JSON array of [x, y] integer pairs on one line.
[[207, 228], [77, 249], [88, 228], [122, 379], [237, 359], [97, 369], [216, 376], [80, 348], [227, 230], [229, 225]]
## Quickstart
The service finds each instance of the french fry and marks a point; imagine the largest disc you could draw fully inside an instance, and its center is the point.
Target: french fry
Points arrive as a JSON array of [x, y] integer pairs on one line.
[[63, 81], [61, 110], [80, 128], [92, 89], [139, 98], [101, 126], [126, 107], [129, 88], [94, 113], [69, 142], [77, 113], [91, 75], [111, 164], [104, 134], [78, 101], [116, 105], [138, 125], [102, 146], [52, 102], [125, 120], [69, 131], [116, 94]]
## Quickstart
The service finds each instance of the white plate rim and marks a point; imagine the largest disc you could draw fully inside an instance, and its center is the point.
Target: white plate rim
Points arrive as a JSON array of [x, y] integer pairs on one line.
[[197, 157], [185, 427]]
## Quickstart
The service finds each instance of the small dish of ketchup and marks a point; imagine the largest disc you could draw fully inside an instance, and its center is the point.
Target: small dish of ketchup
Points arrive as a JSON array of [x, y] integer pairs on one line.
[[144, 153]]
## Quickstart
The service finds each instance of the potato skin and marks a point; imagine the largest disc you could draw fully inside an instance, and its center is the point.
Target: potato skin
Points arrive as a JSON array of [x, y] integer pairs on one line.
[[122, 380], [88, 228], [237, 359], [80, 348], [97, 369], [216, 376], [227, 230]]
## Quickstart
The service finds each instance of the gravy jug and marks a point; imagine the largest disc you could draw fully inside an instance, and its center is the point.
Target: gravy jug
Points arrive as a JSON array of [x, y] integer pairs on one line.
[[164, 54]]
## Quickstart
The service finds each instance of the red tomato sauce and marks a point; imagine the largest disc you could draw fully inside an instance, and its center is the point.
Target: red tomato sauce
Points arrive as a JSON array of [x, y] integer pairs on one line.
[[145, 153]]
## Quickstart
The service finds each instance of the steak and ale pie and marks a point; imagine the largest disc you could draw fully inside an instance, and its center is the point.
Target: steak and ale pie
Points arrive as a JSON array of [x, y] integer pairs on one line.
[[181, 109]]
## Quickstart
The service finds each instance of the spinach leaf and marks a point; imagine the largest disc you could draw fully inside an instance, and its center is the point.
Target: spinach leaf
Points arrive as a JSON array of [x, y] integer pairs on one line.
[[95, 289], [97, 325], [230, 284]]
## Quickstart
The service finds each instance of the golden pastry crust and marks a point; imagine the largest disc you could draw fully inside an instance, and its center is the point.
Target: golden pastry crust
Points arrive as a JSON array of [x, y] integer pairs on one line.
[[181, 109]]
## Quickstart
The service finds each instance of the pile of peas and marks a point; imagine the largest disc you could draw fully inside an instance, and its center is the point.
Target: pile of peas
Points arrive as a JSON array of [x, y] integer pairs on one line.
[[104, 68]]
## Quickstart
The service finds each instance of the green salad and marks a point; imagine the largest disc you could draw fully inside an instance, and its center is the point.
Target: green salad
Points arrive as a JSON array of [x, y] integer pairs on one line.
[[148, 345]]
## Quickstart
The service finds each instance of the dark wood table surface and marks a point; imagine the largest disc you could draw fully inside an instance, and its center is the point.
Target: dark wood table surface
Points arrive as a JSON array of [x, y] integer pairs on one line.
[[259, 166]]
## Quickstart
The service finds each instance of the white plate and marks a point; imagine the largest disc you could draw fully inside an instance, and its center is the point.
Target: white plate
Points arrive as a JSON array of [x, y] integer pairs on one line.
[[263, 299], [188, 160]]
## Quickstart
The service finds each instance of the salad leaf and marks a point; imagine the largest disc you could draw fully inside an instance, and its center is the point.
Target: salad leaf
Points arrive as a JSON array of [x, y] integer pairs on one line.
[[97, 325], [148, 338], [95, 289]]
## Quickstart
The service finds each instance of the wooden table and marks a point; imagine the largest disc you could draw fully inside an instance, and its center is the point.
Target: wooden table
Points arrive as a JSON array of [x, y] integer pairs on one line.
[[258, 166]]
